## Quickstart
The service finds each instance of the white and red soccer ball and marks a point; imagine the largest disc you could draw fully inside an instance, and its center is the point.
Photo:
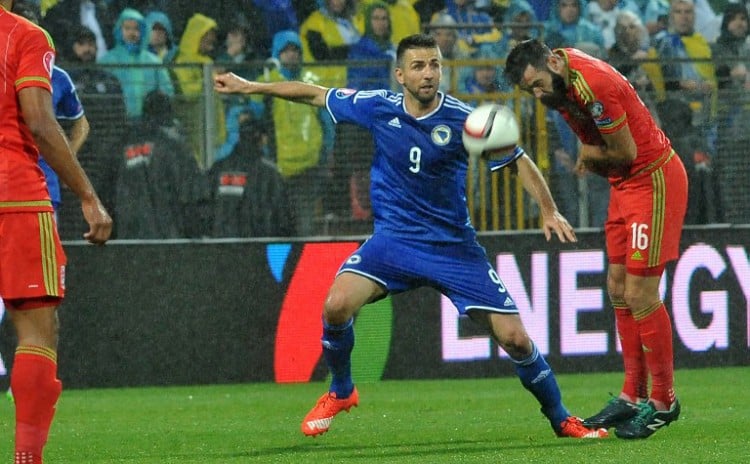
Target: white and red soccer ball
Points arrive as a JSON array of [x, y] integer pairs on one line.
[[491, 131]]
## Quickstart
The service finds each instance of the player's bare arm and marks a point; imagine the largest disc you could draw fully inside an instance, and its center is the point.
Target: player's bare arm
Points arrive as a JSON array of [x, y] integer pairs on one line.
[[36, 107], [300, 92], [79, 133], [615, 156], [552, 220]]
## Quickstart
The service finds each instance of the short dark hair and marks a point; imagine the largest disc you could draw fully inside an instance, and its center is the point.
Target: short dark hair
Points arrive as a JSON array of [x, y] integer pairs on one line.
[[81, 34], [157, 108], [529, 52], [412, 42]]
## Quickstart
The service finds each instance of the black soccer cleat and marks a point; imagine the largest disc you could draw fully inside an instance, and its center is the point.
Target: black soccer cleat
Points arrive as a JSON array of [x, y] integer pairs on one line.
[[648, 421], [613, 414]]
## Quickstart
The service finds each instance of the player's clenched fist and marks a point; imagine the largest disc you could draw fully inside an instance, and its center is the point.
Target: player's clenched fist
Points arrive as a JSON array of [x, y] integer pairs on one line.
[[232, 83], [99, 221]]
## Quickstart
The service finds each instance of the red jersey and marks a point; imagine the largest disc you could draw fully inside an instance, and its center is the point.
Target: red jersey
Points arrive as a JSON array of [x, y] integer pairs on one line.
[[604, 102], [27, 59]]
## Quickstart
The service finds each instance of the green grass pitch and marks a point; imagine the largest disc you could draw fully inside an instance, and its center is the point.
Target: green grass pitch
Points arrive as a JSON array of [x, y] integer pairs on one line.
[[439, 421]]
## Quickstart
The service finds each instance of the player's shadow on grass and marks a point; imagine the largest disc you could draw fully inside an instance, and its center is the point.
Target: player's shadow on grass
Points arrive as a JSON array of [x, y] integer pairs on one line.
[[441, 448]]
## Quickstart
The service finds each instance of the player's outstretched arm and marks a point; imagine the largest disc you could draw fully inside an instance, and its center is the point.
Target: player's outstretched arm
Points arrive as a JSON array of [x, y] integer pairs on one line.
[[552, 220], [301, 92], [36, 107]]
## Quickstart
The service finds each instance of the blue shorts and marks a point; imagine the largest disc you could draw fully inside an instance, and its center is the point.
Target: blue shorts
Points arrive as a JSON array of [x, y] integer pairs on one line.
[[460, 271]]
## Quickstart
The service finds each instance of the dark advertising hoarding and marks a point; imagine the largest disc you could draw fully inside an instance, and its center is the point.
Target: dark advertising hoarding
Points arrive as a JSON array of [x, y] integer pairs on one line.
[[249, 311]]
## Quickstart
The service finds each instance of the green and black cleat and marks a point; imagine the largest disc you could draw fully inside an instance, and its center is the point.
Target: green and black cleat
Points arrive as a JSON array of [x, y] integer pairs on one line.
[[616, 412], [648, 421]]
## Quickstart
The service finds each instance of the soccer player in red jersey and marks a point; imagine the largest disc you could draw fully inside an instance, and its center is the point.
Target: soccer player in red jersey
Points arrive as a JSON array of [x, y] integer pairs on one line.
[[648, 199], [32, 261]]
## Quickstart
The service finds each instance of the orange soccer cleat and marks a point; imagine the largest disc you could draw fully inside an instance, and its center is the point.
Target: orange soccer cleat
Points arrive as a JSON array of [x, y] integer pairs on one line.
[[318, 420], [573, 427]]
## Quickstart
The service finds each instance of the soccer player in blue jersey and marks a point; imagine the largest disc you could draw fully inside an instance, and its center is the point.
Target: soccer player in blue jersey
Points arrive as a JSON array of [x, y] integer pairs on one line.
[[68, 109], [423, 235]]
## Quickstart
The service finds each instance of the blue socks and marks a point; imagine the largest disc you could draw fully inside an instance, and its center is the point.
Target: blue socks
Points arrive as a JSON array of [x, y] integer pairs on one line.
[[534, 372], [338, 342], [538, 378]]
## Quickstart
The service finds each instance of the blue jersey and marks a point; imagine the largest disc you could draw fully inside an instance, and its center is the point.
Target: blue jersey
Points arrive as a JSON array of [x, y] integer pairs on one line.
[[67, 105], [423, 234], [418, 175]]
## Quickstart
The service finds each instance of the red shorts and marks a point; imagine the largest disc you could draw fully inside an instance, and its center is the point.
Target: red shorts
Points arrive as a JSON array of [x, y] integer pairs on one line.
[[32, 260], [645, 217]]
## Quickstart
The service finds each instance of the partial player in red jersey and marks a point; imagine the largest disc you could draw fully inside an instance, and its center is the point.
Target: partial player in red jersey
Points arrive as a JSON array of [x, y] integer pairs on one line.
[[648, 198], [32, 261]]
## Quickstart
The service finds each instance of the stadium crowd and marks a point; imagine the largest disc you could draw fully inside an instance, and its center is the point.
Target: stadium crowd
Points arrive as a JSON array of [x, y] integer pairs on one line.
[[140, 69]]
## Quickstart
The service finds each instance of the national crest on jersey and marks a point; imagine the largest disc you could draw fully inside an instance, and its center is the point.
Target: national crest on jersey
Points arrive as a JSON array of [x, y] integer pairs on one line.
[[441, 134]]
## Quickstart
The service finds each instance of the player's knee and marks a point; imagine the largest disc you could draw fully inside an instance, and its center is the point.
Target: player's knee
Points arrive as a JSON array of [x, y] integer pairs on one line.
[[35, 320], [615, 288], [516, 343], [508, 331], [338, 308], [637, 298]]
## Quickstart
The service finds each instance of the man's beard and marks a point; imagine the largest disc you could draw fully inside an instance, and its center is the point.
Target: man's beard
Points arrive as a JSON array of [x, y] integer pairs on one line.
[[88, 57], [559, 95], [425, 99]]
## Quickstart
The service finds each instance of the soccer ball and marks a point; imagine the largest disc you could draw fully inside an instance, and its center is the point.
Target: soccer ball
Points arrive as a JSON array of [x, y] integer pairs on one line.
[[491, 131]]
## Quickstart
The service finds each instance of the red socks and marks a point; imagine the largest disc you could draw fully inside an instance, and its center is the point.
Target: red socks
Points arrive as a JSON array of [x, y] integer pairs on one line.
[[655, 329], [35, 390], [634, 361], [27, 458]]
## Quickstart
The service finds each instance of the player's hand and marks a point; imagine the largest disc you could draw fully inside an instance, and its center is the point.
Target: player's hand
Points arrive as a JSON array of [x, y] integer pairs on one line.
[[591, 160], [585, 161], [100, 224], [232, 83], [557, 223]]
